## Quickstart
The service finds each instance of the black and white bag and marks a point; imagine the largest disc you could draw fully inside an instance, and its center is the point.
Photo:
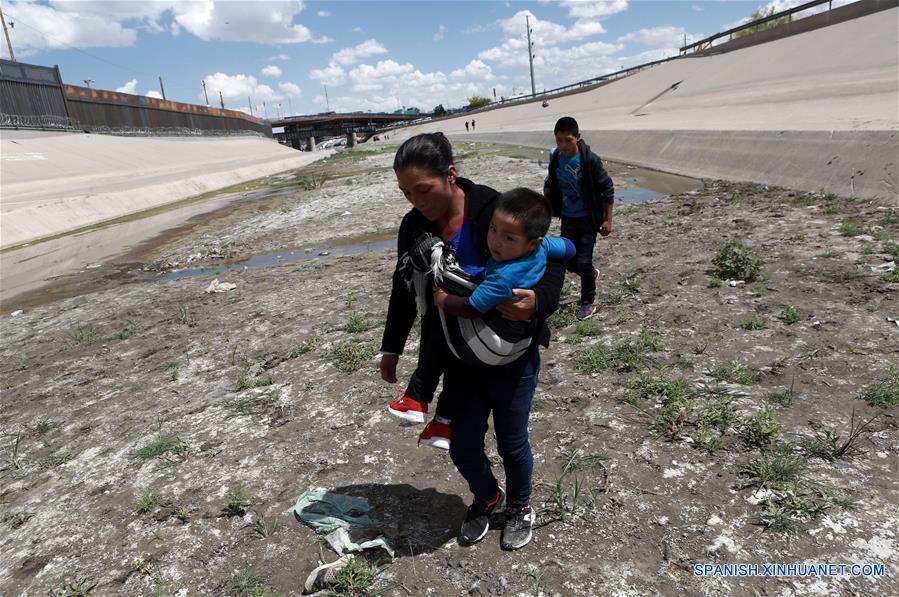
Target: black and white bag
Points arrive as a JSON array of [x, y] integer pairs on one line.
[[487, 341]]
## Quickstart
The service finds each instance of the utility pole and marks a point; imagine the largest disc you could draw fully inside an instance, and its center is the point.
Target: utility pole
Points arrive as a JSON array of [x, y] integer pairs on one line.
[[204, 92], [221, 99], [265, 109], [527, 21], [12, 56], [290, 105], [250, 103], [327, 103], [161, 88]]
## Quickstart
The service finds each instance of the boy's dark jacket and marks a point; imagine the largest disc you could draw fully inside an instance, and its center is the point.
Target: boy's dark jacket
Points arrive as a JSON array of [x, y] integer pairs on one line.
[[596, 185], [401, 310]]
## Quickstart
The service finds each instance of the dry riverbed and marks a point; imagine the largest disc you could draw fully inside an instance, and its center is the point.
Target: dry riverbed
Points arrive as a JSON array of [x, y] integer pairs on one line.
[[155, 438]]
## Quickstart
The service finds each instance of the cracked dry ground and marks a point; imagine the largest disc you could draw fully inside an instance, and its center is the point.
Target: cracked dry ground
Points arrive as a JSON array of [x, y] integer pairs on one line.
[[650, 455]]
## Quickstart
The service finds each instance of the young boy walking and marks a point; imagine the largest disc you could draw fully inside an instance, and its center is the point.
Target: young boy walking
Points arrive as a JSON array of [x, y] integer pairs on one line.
[[583, 195]]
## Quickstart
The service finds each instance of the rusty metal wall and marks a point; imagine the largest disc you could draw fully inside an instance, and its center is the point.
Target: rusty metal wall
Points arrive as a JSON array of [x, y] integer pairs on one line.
[[33, 96], [99, 109]]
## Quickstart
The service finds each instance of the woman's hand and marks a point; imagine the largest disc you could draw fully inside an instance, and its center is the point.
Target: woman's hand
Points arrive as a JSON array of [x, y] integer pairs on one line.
[[388, 367], [520, 308], [440, 297]]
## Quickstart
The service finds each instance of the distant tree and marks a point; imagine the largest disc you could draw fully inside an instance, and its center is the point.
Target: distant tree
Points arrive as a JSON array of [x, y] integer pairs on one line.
[[476, 101], [761, 13], [439, 110], [412, 111]]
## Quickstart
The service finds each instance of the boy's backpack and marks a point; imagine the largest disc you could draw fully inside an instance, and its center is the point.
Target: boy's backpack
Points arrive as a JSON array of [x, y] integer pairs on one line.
[[487, 341]]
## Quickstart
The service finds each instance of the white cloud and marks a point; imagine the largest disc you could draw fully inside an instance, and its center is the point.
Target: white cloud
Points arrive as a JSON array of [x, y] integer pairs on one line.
[[656, 37], [269, 21], [348, 56], [290, 88], [585, 9], [323, 13], [154, 93], [237, 88], [441, 33], [476, 70], [129, 87], [115, 23], [697, 7], [281, 57], [333, 75], [272, 71], [40, 27], [356, 29]]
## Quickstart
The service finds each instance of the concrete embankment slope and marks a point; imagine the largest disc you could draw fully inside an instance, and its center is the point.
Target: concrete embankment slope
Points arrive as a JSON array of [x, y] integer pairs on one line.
[[55, 182], [813, 111]]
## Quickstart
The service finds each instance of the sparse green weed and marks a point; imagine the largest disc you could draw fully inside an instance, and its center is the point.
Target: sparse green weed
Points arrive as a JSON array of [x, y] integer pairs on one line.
[[849, 229], [147, 502], [350, 356], [83, 335], [585, 329], [884, 392], [248, 583], [714, 282], [236, 501], [753, 323], [356, 324], [735, 372], [354, 580], [779, 469], [160, 448], [736, 261], [761, 429], [790, 315], [562, 318]]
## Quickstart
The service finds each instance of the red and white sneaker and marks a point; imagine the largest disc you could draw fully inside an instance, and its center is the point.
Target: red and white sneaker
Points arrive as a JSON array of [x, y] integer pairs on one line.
[[595, 274], [436, 435], [409, 409]]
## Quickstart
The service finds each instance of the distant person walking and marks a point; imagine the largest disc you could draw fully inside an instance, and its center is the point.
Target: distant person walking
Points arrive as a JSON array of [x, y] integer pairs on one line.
[[466, 126], [472, 125]]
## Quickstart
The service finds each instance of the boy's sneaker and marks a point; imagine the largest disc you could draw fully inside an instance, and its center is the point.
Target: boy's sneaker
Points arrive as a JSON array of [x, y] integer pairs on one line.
[[586, 311], [518, 530], [477, 520], [436, 435], [409, 409], [595, 274], [325, 575]]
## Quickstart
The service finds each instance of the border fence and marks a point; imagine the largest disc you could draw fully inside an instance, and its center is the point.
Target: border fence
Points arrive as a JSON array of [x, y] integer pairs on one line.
[[35, 97]]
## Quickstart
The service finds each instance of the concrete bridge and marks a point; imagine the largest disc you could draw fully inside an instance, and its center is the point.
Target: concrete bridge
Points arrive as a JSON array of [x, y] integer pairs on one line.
[[300, 130]]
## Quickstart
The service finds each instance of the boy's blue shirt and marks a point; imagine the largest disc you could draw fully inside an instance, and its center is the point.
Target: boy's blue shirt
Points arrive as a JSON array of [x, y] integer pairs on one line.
[[569, 176], [501, 277]]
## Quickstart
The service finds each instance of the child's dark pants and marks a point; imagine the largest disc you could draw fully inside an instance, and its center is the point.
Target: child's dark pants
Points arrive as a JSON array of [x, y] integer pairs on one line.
[[580, 232]]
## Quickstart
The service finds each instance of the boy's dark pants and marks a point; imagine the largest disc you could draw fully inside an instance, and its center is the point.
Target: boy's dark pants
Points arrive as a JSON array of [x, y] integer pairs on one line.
[[433, 355], [581, 233], [507, 392]]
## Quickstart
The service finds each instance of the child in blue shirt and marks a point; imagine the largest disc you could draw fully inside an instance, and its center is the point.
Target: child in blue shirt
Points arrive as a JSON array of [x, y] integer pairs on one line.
[[518, 253]]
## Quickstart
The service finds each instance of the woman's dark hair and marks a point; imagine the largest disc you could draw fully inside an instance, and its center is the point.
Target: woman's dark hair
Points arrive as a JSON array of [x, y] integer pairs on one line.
[[566, 125], [528, 207], [431, 152]]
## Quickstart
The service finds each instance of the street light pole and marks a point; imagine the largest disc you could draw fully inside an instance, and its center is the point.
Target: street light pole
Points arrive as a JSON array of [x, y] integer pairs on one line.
[[12, 56], [527, 21], [88, 82], [204, 92]]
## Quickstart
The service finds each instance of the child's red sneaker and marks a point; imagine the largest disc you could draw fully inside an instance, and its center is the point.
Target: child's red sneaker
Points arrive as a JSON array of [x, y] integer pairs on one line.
[[436, 435], [409, 409]]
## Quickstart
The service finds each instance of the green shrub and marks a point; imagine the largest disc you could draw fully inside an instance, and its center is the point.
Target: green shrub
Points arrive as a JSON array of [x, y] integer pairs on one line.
[[736, 261]]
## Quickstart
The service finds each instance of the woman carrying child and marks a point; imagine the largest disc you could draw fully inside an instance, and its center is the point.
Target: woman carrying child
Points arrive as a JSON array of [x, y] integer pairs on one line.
[[460, 212]]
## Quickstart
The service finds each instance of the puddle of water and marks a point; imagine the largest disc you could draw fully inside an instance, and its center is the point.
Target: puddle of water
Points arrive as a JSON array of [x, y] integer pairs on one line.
[[272, 259], [632, 194], [637, 195]]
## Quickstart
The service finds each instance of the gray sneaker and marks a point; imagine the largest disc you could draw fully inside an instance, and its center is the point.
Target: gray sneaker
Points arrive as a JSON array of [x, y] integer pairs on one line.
[[519, 527], [477, 519], [325, 575]]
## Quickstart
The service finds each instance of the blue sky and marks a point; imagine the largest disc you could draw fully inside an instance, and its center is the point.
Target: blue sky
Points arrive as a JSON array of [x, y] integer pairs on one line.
[[372, 55]]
